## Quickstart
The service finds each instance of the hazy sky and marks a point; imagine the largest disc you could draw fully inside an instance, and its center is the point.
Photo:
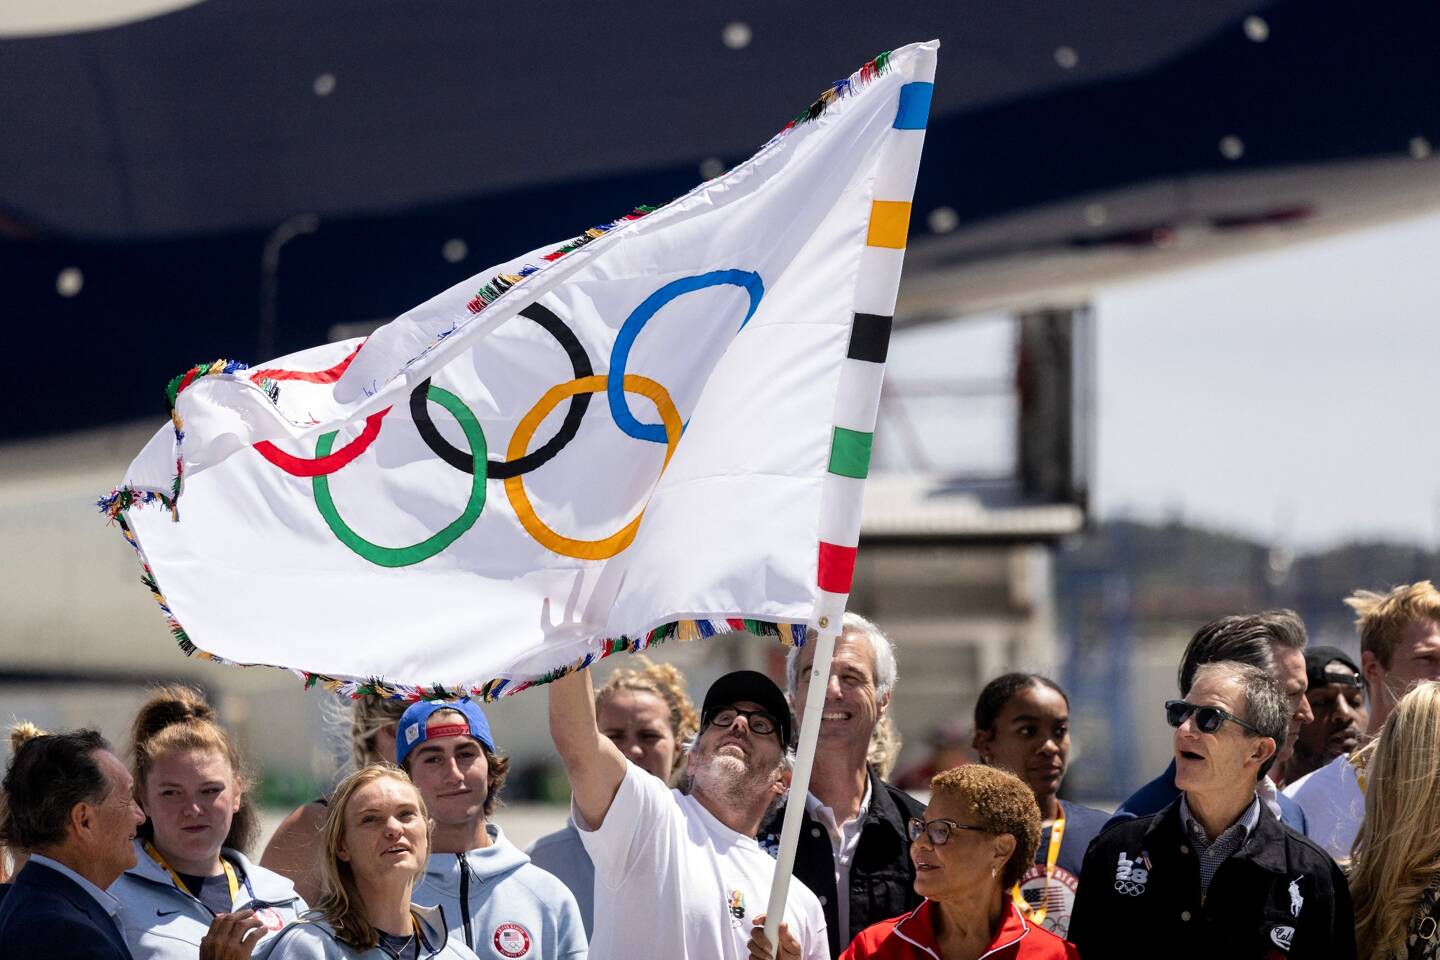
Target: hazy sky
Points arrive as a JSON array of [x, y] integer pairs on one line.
[[1289, 394]]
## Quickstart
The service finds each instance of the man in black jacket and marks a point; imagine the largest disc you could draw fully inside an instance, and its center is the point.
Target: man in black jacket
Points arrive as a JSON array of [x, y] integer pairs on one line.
[[71, 804], [1215, 873], [853, 851]]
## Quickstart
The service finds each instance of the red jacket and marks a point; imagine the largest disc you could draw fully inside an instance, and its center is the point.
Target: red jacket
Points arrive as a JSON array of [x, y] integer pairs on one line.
[[912, 937]]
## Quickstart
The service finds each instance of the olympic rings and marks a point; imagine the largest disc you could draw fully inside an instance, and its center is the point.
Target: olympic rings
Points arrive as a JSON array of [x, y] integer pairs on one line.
[[504, 469], [425, 549], [515, 486], [620, 353], [326, 465]]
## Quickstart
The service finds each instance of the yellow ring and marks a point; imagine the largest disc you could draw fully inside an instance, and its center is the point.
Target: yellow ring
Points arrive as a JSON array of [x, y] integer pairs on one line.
[[520, 444]]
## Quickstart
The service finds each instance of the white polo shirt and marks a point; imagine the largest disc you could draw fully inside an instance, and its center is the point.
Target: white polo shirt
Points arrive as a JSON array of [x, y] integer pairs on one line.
[[673, 881]]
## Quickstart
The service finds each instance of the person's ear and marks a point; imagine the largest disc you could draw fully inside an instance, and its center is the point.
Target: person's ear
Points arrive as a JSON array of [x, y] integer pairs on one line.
[[1372, 671], [782, 783], [884, 704], [341, 853], [1004, 847], [82, 819], [981, 740], [1264, 749]]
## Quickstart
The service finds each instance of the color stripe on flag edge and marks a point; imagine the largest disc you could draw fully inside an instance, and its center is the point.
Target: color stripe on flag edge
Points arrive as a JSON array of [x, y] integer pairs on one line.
[[914, 110], [850, 453], [869, 337], [790, 634], [889, 224], [837, 567]]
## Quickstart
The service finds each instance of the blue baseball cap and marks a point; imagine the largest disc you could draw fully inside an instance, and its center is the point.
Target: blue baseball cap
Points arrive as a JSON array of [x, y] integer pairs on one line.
[[415, 728]]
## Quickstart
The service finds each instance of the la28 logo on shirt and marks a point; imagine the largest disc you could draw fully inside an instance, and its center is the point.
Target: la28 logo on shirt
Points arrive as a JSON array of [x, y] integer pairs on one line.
[[511, 940]]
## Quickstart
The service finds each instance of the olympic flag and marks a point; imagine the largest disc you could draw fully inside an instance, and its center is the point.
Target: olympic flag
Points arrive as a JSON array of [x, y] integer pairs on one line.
[[659, 428]]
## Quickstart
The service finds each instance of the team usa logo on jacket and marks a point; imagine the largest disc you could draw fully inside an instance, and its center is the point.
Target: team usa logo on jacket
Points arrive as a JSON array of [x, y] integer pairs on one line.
[[511, 940], [1054, 895], [1132, 875], [270, 917]]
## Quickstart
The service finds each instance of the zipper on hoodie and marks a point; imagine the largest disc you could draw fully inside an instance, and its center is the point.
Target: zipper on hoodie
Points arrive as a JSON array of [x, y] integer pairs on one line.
[[465, 898]]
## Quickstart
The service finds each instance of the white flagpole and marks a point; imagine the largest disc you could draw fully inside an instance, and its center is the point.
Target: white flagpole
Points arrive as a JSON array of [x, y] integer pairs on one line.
[[800, 780], [856, 408]]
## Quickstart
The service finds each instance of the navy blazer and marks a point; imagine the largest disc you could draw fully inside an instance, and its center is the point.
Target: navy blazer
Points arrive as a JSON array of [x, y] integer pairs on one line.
[[46, 914]]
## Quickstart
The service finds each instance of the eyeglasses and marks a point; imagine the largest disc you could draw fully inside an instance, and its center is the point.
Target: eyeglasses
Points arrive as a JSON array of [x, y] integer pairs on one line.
[[1207, 719], [759, 721], [937, 831]]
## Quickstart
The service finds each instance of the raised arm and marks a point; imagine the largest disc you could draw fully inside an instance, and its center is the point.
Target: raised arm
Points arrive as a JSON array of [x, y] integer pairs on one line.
[[594, 765]]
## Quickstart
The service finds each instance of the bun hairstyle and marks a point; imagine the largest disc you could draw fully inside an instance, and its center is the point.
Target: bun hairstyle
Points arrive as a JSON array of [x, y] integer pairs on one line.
[[177, 717], [22, 733]]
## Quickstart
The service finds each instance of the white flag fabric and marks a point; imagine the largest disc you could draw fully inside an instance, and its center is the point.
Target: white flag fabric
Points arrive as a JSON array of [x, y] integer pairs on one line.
[[660, 428]]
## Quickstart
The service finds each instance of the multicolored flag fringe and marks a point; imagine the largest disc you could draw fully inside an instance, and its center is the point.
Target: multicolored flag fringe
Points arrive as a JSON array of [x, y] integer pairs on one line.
[[659, 428]]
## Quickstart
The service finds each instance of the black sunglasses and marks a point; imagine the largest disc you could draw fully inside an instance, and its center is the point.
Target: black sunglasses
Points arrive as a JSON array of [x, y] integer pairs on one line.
[[760, 721], [1207, 719], [938, 831]]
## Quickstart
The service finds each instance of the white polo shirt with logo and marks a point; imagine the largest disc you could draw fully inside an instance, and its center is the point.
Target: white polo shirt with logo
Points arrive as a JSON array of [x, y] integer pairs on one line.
[[673, 881]]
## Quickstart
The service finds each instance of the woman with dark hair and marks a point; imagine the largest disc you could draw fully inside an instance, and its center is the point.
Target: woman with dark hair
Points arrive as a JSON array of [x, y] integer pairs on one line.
[[192, 886], [1022, 724], [374, 847], [977, 836]]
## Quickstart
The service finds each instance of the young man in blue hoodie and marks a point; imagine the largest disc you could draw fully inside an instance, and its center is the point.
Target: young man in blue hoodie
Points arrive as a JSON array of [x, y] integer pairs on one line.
[[500, 904]]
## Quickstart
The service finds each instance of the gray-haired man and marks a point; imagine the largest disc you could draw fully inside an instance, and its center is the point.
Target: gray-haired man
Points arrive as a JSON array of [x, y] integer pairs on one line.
[[853, 849], [1215, 873]]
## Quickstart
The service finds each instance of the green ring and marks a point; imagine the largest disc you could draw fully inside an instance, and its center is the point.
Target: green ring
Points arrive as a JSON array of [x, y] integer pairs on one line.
[[425, 549]]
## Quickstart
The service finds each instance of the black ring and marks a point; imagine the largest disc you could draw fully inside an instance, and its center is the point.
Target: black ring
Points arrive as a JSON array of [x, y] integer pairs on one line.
[[501, 469]]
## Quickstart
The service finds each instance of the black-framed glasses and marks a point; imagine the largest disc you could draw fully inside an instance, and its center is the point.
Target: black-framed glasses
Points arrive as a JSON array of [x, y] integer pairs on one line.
[[1207, 719], [937, 831], [761, 721]]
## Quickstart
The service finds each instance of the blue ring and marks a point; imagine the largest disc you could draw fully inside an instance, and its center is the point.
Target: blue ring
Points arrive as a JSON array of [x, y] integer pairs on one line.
[[620, 353]]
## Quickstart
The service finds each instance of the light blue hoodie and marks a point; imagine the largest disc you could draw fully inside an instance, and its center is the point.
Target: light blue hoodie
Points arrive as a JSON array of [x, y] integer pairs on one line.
[[161, 922], [314, 939], [503, 906]]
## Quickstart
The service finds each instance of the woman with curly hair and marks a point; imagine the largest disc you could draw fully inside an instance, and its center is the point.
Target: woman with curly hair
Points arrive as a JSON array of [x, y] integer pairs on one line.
[[976, 838], [649, 716], [1395, 870]]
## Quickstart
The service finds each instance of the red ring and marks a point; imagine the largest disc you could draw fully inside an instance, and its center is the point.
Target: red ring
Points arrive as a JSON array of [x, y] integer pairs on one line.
[[316, 376], [326, 465]]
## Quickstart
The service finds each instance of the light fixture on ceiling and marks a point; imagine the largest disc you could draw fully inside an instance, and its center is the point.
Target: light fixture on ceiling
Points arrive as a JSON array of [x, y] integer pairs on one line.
[[737, 35]]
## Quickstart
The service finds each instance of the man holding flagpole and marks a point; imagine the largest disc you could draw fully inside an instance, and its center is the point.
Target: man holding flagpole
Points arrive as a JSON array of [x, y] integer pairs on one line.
[[677, 874]]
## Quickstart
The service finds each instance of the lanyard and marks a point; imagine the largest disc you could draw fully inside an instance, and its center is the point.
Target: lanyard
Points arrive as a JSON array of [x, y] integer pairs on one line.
[[1052, 855], [231, 879]]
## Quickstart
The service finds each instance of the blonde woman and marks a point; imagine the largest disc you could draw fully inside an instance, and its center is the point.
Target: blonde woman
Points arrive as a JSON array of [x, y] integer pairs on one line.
[[374, 845], [649, 716], [295, 846], [1395, 871]]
